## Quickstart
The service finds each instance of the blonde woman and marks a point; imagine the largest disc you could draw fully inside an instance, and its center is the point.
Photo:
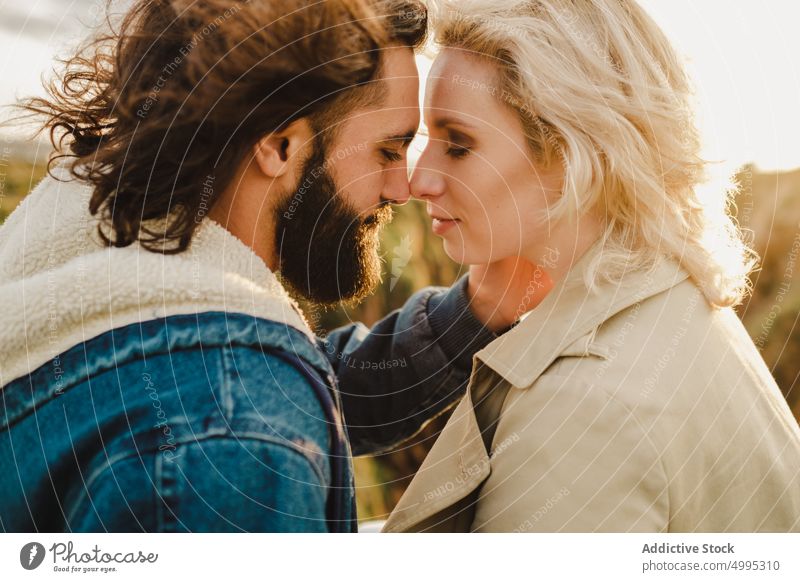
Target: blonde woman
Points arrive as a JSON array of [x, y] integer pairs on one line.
[[630, 398]]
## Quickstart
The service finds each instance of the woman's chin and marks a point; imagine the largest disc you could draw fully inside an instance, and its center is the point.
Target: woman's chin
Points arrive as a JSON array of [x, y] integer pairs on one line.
[[463, 255]]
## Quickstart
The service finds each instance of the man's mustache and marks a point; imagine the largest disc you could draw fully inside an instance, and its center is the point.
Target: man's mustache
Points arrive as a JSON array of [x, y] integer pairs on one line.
[[382, 216]]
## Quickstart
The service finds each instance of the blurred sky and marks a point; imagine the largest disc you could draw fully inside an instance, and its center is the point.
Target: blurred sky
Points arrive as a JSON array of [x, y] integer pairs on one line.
[[743, 55]]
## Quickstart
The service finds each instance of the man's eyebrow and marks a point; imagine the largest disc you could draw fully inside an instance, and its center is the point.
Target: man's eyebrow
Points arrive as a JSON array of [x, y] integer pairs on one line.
[[404, 138]]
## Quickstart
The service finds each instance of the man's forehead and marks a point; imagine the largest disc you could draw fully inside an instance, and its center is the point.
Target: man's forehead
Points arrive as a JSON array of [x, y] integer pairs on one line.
[[384, 123], [397, 63], [399, 77]]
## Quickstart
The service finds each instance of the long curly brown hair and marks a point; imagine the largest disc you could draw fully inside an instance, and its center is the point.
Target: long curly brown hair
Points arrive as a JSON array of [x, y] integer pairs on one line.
[[172, 98]]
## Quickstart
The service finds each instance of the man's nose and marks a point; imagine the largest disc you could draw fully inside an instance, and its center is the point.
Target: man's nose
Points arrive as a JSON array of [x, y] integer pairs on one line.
[[396, 189]]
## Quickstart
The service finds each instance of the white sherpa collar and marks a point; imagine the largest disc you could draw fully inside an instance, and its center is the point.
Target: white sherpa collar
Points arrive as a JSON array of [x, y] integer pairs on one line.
[[60, 286]]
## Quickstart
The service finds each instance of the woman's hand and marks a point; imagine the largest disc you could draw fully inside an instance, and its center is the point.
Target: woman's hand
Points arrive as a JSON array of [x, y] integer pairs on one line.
[[501, 292]]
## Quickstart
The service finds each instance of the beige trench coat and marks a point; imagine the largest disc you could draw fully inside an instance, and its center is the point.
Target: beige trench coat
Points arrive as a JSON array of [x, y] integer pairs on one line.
[[637, 408]]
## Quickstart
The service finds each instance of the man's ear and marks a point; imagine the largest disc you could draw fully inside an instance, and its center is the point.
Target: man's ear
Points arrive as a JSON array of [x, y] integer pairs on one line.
[[276, 153]]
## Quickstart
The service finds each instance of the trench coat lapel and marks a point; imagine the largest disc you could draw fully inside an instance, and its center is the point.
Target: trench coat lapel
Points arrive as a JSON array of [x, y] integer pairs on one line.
[[568, 313], [455, 467]]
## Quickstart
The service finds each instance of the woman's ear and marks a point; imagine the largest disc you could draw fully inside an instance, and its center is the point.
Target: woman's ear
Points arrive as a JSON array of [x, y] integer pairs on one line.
[[276, 153]]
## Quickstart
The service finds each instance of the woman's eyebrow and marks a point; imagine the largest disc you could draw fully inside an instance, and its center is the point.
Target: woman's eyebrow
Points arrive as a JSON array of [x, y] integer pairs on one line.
[[441, 122]]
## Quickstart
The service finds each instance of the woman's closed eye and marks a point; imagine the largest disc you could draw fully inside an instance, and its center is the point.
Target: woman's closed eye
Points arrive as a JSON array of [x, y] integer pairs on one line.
[[458, 144], [456, 151]]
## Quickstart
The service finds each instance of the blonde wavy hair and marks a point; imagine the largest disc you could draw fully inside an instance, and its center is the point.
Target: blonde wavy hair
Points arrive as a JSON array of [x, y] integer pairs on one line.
[[601, 91]]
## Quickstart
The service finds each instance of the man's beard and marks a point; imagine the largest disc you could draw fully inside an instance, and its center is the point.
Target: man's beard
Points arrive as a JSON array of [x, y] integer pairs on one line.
[[326, 251]]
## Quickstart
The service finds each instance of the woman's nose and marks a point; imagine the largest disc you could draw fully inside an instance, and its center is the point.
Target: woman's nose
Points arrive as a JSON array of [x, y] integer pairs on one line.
[[426, 180]]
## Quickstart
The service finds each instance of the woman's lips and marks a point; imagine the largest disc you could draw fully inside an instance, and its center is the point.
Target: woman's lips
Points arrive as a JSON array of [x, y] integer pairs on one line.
[[442, 225]]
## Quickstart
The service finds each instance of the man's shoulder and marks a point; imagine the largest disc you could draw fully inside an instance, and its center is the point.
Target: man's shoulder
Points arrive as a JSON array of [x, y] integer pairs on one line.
[[250, 367], [183, 336], [221, 376], [198, 363]]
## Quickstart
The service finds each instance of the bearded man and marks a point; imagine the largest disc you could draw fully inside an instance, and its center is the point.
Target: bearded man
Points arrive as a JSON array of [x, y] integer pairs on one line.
[[156, 374]]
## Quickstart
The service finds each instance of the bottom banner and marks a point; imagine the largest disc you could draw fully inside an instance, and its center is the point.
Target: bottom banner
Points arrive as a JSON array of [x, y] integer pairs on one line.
[[398, 557]]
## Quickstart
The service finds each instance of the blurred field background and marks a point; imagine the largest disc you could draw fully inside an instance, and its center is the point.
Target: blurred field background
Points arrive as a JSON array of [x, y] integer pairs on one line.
[[768, 205]]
